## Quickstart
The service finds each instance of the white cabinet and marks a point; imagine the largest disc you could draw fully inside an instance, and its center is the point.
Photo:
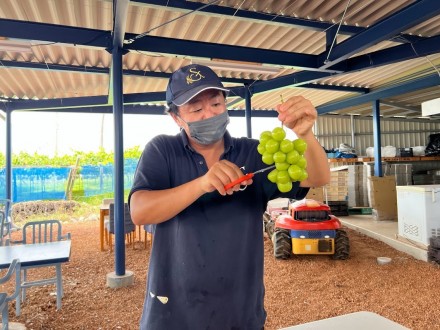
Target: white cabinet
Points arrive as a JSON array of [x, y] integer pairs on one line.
[[418, 209]]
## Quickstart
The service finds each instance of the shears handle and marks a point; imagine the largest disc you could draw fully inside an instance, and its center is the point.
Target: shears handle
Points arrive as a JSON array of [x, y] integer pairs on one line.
[[241, 179]]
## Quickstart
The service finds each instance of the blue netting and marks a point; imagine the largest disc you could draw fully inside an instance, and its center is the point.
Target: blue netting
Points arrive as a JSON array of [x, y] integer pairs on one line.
[[42, 183], [35, 183]]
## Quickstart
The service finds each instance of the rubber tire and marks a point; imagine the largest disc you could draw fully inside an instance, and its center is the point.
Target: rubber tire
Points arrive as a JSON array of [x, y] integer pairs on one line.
[[269, 228], [342, 245], [282, 244]]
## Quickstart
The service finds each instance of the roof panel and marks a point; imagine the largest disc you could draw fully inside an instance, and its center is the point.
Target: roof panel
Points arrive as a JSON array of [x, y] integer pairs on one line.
[[73, 77]]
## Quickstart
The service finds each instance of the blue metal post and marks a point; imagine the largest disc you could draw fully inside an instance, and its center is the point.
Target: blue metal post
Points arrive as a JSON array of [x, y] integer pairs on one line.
[[376, 138], [248, 111], [8, 168], [118, 111]]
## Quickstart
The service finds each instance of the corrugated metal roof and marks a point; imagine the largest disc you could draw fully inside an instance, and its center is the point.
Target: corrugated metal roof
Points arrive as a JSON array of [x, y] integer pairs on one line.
[[61, 70]]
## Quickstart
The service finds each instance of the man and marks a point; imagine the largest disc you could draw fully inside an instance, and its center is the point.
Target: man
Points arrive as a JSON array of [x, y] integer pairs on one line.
[[206, 265]]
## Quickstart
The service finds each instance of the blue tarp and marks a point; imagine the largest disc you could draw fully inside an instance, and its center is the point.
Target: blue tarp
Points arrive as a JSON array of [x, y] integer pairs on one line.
[[48, 183]]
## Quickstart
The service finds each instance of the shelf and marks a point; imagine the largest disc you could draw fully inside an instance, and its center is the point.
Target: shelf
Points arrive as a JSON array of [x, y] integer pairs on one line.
[[384, 159]]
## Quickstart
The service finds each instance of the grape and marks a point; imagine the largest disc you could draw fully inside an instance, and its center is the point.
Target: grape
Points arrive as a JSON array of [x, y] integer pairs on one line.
[[265, 134], [272, 146], [272, 176], [283, 177], [261, 148], [279, 157], [267, 158], [285, 187], [300, 145], [304, 175], [288, 157], [302, 162], [292, 157], [282, 166], [294, 172], [286, 146], [278, 134]]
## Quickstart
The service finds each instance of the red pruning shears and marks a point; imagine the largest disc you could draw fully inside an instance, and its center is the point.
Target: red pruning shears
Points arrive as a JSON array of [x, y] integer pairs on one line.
[[246, 177]]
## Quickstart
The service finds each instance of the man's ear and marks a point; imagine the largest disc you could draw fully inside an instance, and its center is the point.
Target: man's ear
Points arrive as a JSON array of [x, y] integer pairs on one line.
[[176, 119]]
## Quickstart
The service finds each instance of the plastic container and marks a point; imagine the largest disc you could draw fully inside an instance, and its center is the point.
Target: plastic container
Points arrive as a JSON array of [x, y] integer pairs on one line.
[[383, 260]]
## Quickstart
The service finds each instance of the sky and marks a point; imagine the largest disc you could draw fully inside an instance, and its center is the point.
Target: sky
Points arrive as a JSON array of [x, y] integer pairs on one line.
[[50, 133]]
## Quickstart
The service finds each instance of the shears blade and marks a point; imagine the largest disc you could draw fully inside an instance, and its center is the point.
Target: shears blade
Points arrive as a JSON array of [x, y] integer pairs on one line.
[[246, 177]]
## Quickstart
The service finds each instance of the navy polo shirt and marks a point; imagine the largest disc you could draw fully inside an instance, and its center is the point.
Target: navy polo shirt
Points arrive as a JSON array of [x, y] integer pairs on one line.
[[206, 265]]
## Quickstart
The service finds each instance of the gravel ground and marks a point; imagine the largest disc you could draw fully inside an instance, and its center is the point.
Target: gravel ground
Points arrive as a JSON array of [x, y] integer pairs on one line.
[[299, 290]]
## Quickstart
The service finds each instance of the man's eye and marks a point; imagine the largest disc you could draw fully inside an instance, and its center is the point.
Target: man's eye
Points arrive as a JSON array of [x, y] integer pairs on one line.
[[196, 110]]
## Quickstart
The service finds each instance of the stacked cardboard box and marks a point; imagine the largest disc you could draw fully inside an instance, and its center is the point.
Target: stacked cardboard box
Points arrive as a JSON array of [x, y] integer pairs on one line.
[[402, 174], [383, 197], [337, 188], [357, 186]]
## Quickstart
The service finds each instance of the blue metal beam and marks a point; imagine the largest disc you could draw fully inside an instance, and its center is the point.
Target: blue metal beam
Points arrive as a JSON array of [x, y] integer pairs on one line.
[[57, 103], [299, 23], [382, 93], [385, 29], [295, 79], [248, 111], [392, 55], [221, 51], [99, 38], [116, 97], [8, 156], [54, 33], [138, 109], [118, 112], [53, 67], [120, 10], [165, 75], [100, 70], [376, 138], [337, 88], [98, 103]]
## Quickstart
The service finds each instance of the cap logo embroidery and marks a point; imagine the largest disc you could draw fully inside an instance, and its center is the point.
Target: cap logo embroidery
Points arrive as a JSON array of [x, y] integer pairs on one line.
[[194, 76]]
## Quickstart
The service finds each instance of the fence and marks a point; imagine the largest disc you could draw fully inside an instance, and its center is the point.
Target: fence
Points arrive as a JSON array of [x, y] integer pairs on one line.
[[46, 183]]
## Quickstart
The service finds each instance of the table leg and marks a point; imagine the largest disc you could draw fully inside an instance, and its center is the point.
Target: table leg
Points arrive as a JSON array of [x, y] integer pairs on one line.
[[101, 229]]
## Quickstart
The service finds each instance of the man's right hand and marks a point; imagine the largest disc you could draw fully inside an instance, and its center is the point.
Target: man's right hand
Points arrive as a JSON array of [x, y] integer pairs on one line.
[[219, 175]]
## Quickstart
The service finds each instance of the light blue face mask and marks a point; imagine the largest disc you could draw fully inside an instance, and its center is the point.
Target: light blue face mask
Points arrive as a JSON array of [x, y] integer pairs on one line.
[[209, 130]]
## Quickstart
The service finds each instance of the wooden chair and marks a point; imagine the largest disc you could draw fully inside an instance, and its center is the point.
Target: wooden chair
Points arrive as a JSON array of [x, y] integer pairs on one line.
[[129, 226], [41, 232], [4, 297]]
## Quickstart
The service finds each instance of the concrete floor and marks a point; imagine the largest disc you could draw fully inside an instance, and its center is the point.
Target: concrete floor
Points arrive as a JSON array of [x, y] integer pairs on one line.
[[385, 231]]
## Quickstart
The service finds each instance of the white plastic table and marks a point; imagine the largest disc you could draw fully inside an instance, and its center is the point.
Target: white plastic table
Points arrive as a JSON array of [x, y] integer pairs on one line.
[[358, 321]]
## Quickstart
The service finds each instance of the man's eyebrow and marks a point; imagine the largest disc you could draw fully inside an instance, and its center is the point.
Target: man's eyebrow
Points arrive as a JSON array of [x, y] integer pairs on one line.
[[212, 95]]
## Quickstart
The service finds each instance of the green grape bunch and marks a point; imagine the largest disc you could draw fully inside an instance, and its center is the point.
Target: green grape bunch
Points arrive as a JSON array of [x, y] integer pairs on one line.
[[287, 155]]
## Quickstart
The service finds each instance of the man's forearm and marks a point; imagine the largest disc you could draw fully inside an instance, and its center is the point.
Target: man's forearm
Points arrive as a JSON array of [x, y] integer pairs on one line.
[[156, 206]]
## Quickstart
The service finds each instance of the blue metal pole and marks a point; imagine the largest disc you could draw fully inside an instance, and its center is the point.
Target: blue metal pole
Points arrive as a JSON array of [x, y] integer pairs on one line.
[[118, 111], [8, 168], [248, 109], [376, 138]]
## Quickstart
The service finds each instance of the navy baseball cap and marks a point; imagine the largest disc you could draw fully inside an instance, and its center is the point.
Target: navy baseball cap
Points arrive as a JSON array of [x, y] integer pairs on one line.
[[190, 81]]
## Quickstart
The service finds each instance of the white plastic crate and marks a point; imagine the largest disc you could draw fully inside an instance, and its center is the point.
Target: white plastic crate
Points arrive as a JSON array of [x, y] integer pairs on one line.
[[418, 209]]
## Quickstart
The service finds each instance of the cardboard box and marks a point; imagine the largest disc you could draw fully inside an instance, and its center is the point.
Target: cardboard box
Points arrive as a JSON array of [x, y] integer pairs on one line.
[[383, 198], [316, 193]]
